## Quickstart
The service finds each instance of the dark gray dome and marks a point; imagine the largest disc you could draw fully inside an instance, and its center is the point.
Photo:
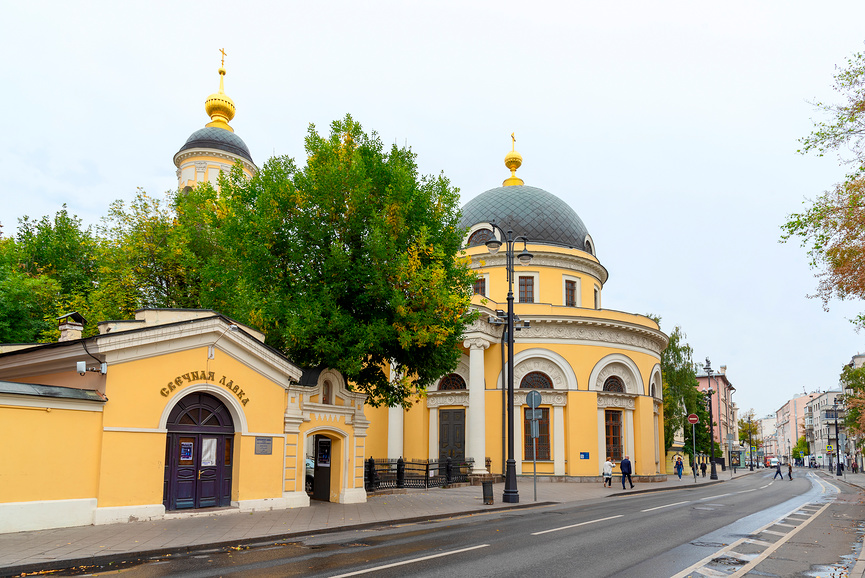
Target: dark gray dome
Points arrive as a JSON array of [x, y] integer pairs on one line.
[[211, 137], [530, 212]]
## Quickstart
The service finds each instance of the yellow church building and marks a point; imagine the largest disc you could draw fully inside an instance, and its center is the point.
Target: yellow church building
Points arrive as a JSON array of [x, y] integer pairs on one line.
[[178, 410]]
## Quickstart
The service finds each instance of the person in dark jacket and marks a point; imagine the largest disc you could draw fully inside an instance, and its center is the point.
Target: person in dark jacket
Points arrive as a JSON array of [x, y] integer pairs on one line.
[[703, 469], [625, 467], [778, 471], [790, 470]]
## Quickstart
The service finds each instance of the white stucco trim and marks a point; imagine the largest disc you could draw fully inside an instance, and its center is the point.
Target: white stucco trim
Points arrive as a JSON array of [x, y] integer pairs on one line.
[[578, 291], [347, 460], [569, 378], [123, 514], [536, 285], [49, 403], [266, 504], [352, 496], [296, 499], [634, 384], [46, 514], [231, 402], [658, 380]]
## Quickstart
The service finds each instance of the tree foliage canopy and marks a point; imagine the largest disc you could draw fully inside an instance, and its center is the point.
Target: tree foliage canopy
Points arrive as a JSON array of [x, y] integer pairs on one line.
[[832, 226], [679, 385], [853, 381], [350, 262]]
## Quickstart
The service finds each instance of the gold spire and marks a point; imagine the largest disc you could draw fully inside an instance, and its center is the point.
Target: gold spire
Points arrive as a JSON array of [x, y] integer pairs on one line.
[[513, 160], [218, 106]]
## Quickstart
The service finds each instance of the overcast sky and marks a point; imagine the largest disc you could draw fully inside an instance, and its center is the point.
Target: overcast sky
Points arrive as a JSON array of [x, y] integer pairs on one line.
[[670, 127]]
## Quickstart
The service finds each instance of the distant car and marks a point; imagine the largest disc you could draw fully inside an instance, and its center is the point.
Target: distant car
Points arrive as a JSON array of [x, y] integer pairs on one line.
[[773, 462], [310, 475]]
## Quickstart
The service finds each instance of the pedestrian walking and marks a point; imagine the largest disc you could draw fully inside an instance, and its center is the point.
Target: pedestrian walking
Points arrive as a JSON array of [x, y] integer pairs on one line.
[[703, 468], [625, 467], [778, 471], [790, 470], [608, 472], [679, 467]]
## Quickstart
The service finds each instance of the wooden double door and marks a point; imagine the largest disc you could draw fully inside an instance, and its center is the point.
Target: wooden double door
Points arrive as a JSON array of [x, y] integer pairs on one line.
[[198, 454], [452, 434]]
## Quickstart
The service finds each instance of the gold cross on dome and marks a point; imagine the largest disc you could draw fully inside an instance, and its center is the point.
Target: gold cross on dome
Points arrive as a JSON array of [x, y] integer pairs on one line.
[[514, 143], [222, 50]]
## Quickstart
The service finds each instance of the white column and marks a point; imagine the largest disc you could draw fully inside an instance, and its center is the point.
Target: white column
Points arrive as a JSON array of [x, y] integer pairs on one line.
[[629, 436], [395, 417], [559, 440], [602, 439], [657, 447], [519, 443], [476, 446], [434, 433]]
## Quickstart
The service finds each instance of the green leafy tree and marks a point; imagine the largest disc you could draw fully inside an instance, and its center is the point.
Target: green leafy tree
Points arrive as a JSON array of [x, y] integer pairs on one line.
[[831, 226], [351, 262], [24, 299], [679, 384], [704, 439], [853, 381], [800, 450], [749, 431]]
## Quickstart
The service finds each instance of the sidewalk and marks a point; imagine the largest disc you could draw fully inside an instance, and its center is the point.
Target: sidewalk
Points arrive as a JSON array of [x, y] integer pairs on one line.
[[93, 545]]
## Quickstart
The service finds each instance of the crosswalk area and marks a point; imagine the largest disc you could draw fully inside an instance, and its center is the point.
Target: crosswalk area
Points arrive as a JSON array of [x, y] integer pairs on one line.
[[740, 557]]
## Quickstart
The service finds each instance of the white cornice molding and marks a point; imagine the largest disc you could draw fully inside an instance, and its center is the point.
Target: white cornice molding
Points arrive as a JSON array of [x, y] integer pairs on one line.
[[541, 258], [617, 400], [49, 403], [588, 330], [182, 156], [449, 397], [548, 397], [126, 346]]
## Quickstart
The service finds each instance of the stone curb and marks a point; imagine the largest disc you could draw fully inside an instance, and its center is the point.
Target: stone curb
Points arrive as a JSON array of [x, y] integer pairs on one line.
[[135, 557]]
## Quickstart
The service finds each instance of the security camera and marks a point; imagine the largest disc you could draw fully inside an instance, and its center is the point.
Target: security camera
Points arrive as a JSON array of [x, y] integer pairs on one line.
[[81, 366]]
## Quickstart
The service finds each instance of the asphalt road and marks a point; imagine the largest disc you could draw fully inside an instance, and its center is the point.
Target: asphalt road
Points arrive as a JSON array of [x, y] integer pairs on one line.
[[746, 525]]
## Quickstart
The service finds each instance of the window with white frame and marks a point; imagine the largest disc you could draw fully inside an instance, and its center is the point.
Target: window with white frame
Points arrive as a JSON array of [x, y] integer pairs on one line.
[[570, 291]]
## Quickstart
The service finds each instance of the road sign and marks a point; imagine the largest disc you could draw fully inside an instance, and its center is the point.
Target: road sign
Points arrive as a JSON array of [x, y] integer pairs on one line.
[[693, 418], [534, 414], [829, 447], [533, 399], [535, 432]]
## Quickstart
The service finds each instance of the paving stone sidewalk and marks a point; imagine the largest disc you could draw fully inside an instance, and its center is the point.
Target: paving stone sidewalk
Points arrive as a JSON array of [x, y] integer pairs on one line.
[[87, 545]]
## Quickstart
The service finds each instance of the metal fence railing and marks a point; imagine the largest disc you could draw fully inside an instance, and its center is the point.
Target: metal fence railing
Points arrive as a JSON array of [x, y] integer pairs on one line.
[[387, 473]]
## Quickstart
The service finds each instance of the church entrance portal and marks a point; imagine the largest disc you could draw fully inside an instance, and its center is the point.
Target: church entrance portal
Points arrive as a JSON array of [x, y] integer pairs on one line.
[[198, 454], [452, 434]]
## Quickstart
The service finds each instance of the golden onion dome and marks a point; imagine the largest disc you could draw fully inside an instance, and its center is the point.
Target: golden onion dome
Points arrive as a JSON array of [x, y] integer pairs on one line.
[[513, 160], [219, 107]]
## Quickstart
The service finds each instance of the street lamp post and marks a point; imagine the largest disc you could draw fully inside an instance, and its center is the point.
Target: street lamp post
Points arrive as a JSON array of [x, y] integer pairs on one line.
[[714, 475], [750, 445], [511, 494], [837, 449]]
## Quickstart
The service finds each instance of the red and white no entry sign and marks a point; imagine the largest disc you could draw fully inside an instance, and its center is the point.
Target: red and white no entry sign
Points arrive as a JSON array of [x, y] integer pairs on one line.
[[693, 418]]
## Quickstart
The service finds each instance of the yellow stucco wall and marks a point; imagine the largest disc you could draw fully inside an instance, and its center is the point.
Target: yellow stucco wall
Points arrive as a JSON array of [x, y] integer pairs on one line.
[[139, 393], [48, 454]]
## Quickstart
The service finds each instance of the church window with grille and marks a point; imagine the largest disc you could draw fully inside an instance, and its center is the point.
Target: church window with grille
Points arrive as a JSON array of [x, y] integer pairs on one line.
[[452, 381], [480, 286], [480, 237], [615, 384], [613, 430], [527, 289], [543, 436], [536, 380]]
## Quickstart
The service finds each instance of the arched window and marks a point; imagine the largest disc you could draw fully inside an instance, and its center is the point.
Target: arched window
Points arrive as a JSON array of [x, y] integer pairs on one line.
[[614, 383], [589, 247], [325, 392], [452, 381], [536, 380], [652, 392], [480, 237]]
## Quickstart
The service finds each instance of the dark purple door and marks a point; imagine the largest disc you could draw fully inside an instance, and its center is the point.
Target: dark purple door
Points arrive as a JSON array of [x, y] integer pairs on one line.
[[452, 434], [198, 462]]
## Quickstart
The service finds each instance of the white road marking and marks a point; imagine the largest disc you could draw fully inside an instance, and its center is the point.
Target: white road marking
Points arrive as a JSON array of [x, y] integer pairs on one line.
[[746, 491], [667, 506], [773, 532], [403, 563], [713, 497], [766, 486], [575, 525]]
